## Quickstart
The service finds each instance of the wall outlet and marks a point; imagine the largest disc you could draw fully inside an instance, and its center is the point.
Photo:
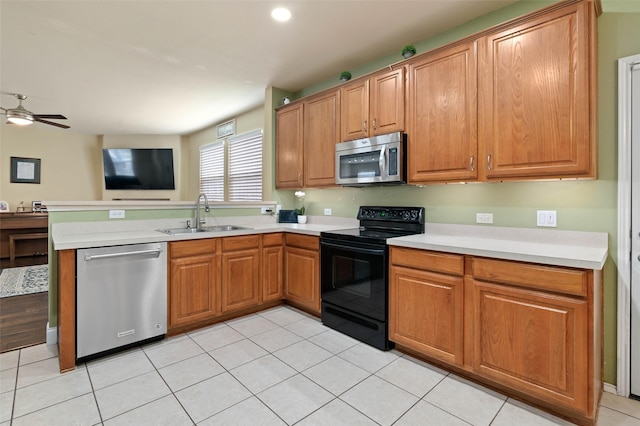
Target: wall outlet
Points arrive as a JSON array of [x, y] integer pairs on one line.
[[266, 210], [484, 217], [116, 214], [278, 208], [327, 212], [547, 218]]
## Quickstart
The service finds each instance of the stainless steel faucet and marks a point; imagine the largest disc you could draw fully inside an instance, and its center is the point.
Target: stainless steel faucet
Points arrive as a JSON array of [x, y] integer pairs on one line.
[[200, 221]]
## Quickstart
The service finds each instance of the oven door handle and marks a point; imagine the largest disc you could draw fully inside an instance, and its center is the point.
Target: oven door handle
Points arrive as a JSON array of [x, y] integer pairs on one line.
[[357, 249]]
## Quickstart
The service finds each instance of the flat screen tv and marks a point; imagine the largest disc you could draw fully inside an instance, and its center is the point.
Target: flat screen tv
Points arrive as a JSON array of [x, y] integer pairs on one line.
[[138, 168]]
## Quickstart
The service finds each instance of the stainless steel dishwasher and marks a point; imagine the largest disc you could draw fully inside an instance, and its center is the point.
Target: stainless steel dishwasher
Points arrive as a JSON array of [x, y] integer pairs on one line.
[[121, 296]]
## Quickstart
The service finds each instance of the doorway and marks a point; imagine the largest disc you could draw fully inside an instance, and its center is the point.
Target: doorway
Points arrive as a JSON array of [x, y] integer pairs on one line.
[[629, 226]]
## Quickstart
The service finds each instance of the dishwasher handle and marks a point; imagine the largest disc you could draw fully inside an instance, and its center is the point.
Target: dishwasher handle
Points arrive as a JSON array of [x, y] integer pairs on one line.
[[88, 257]]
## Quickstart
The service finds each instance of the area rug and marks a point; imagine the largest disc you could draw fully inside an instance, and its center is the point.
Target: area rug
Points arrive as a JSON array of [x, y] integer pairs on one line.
[[24, 280]]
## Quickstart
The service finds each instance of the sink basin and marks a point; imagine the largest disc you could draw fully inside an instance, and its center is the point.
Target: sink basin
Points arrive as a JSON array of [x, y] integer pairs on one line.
[[219, 228], [181, 231], [187, 231]]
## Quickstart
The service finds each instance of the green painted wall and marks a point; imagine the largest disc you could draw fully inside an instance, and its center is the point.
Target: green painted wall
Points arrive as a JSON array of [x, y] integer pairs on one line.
[[589, 205]]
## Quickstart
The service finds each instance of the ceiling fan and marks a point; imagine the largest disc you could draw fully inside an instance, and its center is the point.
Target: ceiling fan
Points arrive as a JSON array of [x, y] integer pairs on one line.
[[21, 116]]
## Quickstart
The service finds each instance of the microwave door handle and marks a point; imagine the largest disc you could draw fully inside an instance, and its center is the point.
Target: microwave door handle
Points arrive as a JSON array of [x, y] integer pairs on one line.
[[382, 162]]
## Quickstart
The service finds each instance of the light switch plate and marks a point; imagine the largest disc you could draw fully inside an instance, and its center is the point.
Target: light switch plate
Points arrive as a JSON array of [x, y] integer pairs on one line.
[[547, 218]]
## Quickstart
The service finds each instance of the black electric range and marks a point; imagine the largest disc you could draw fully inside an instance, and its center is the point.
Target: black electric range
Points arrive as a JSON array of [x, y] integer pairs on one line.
[[354, 271]]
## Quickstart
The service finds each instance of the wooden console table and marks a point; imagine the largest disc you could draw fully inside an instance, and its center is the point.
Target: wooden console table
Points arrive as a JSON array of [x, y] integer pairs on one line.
[[23, 234]]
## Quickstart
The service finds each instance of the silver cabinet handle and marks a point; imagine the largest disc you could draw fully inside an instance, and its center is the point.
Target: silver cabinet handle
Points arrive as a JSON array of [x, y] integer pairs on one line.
[[489, 161], [374, 124], [364, 126], [88, 257], [471, 163]]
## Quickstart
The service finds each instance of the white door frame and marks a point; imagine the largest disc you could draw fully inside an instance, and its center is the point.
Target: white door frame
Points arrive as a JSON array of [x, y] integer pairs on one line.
[[624, 223]]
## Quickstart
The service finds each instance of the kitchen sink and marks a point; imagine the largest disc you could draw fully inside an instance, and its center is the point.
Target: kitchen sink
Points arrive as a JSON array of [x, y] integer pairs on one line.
[[187, 231], [219, 228]]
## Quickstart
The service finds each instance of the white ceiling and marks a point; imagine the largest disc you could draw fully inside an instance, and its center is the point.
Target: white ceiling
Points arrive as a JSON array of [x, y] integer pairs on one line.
[[177, 66]]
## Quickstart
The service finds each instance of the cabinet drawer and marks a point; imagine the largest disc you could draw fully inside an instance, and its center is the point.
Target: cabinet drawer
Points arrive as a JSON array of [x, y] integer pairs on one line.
[[549, 278], [452, 264], [240, 243], [192, 247], [269, 240], [303, 241]]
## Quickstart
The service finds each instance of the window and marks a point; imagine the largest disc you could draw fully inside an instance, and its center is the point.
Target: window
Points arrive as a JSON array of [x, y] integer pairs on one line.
[[231, 169]]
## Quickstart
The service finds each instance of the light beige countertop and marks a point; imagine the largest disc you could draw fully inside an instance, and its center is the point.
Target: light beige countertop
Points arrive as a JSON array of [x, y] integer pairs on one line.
[[78, 235], [546, 246], [576, 249]]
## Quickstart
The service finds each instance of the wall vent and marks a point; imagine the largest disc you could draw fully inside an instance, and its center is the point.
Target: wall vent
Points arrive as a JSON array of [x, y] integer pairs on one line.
[[226, 129]]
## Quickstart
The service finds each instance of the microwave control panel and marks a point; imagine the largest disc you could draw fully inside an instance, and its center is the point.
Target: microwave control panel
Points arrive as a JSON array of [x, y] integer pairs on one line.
[[393, 162]]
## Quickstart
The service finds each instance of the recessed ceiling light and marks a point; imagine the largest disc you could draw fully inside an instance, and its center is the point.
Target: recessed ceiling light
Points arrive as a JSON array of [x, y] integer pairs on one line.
[[281, 14]]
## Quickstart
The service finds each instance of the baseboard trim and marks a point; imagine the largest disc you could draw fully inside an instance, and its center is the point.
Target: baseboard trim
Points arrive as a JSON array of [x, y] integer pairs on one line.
[[52, 335], [608, 387]]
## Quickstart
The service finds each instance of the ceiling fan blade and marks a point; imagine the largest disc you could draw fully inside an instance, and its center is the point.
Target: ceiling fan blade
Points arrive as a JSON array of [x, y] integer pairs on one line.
[[64, 126], [54, 116]]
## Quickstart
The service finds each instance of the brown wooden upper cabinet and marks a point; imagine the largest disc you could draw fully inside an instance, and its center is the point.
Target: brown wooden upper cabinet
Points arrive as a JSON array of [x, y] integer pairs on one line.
[[373, 106], [536, 94], [321, 134], [442, 105], [289, 146], [306, 136]]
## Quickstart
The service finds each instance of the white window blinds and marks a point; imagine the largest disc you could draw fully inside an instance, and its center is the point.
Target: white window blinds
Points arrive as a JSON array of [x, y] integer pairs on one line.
[[212, 170], [245, 166], [231, 170]]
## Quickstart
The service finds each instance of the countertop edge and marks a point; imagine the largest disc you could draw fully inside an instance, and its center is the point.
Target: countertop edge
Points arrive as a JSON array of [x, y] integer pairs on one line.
[[556, 254]]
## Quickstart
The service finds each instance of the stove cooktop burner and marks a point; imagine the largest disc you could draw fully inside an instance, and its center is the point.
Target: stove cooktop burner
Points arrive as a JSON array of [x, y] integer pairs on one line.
[[377, 224], [366, 234]]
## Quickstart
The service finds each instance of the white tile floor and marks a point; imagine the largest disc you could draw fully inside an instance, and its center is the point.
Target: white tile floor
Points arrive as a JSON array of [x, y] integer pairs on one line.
[[276, 367]]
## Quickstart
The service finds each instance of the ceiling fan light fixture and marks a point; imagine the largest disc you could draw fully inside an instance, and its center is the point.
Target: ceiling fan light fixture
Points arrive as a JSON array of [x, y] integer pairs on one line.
[[21, 118]]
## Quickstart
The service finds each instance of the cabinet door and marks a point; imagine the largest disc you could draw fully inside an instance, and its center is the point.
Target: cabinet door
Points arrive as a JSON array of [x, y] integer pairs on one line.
[[532, 341], [321, 133], [272, 259], [535, 97], [240, 272], [426, 313], [240, 279], [355, 110], [193, 289], [289, 148], [442, 124], [387, 103], [302, 277]]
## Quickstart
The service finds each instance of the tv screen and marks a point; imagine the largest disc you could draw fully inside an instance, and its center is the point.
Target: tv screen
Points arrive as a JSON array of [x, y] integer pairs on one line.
[[138, 168]]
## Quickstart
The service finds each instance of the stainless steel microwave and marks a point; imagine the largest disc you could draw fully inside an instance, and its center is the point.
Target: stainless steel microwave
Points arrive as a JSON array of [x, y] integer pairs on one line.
[[374, 160]]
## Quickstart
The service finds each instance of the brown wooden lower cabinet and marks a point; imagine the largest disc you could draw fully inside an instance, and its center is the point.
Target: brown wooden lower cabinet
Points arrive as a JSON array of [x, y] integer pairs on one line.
[[532, 329], [194, 281], [426, 308], [272, 261], [240, 272], [302, 271]]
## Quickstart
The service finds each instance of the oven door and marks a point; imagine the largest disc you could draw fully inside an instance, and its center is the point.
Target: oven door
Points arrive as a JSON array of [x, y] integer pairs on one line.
[[354, 277]]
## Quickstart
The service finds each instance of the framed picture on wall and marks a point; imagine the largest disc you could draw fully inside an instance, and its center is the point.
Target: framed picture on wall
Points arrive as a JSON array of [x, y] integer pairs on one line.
[[25, 170]]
